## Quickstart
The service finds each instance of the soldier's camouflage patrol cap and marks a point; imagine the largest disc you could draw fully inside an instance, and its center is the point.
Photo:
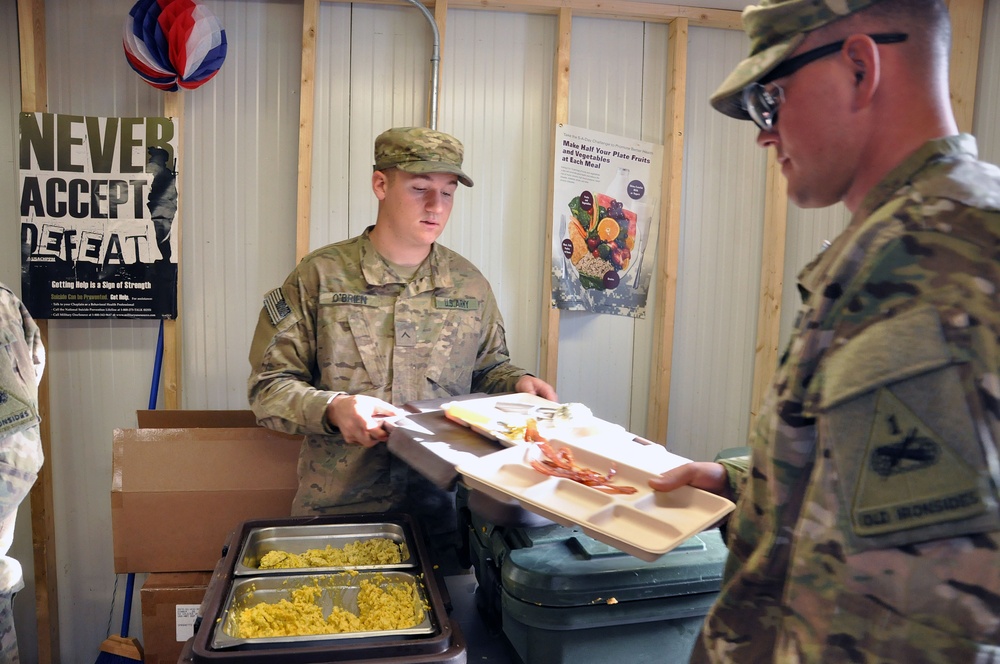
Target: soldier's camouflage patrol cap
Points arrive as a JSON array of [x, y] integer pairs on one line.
[[776, 28], [420, 150]]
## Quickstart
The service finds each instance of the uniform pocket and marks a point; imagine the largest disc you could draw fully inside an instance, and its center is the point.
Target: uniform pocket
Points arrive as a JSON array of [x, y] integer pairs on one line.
[[367, 342], [896, 423], [354, 340], [455, 351]]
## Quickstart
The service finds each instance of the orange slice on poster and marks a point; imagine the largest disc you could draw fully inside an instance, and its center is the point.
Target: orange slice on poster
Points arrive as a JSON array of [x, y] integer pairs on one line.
[[608, 229]]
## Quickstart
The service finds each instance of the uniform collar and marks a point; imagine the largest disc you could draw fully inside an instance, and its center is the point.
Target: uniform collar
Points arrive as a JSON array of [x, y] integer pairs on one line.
[[433, 273], [930, 153]]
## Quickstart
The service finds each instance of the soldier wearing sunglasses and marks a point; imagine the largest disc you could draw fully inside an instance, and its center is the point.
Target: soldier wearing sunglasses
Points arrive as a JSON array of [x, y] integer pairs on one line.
[[867, 526]]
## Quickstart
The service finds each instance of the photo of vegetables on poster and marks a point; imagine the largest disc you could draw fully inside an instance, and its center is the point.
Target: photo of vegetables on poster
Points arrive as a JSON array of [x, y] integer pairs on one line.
[[603, 240]]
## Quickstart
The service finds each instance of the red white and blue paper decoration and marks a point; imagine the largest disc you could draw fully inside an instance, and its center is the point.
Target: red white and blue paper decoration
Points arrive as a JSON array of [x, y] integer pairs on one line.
[[172, 43]]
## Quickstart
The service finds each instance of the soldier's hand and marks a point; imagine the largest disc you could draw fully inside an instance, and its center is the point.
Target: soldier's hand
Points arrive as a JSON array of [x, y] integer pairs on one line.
[[359, 418], [706, 475], [532, 385]]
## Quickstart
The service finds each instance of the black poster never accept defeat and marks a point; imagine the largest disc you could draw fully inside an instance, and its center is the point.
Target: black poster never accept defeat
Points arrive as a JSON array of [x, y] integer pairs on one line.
[[98, 199]]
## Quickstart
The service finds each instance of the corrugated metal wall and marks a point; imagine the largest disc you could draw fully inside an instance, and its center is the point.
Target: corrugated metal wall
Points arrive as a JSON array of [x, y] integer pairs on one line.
[[238, 179], [498, 105], [719, 271], [609, 63], [240, 152], [986, 122]]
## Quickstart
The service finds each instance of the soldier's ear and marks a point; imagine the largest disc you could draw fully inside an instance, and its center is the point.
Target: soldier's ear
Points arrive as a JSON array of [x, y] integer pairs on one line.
[[864, 64], [380, 182]]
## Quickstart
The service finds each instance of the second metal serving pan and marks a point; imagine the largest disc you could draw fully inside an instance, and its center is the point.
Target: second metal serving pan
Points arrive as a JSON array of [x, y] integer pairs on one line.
[[298, 539], [336, 590]]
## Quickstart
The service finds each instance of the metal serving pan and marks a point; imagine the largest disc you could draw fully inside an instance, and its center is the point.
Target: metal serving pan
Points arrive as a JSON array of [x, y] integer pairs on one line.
[[443, 644], [301, 538], [339, 589]]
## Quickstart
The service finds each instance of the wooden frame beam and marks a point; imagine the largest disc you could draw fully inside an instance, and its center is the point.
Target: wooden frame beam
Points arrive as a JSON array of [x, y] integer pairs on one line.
[[548, 358], [307, 99], [772, 271], [620, 9], [34, 99], [173, 107], [966, 33], [668, 238]]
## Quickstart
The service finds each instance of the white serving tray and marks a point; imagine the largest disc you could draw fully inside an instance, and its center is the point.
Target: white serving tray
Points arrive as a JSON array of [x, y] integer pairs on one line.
[[487, 416], [646, 524]]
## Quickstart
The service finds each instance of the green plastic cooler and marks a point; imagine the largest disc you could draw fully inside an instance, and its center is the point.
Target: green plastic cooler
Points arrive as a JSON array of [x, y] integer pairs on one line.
[[561, 596]]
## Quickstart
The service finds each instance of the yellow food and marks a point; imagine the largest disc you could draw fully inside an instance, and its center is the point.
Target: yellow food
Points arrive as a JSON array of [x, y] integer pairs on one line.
[[375, 551], [381, 606]]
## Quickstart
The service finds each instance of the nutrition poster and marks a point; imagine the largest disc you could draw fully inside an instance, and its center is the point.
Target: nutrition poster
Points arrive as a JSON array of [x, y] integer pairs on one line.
[[98, 198], [606, 193]]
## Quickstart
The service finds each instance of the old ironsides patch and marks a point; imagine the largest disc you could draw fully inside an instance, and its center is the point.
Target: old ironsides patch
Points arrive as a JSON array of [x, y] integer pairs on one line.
[[910, 477], [15, 413]]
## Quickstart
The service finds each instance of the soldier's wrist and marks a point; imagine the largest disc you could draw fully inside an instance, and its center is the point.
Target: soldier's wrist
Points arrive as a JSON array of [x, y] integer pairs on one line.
[[329, 422]]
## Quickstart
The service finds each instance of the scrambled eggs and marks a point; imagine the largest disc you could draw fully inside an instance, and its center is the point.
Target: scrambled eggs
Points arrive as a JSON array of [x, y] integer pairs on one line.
[[375, 551], [381, 606]]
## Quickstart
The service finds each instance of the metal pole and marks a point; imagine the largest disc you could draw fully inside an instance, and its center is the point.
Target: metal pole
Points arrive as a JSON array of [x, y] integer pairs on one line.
[[435, 61]]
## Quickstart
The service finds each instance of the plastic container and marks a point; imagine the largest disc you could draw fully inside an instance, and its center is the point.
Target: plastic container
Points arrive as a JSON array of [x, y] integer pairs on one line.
[[561, 596]]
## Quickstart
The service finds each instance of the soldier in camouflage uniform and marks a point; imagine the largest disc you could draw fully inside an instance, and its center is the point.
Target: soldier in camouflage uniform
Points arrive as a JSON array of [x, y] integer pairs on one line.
[[22, 360], [867, 526], [363, 326]]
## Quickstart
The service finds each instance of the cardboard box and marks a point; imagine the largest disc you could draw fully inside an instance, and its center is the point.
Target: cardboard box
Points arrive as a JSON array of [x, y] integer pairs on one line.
[[170, 604], [179, 491], [196, 419]]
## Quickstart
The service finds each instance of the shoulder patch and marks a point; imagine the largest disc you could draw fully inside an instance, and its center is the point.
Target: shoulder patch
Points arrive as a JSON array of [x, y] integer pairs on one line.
[[16, 413], [277, 308], [910, 477]]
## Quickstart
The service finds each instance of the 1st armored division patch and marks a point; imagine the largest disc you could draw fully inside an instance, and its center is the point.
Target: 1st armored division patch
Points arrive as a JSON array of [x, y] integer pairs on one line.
[[910, 477], [16, 413]]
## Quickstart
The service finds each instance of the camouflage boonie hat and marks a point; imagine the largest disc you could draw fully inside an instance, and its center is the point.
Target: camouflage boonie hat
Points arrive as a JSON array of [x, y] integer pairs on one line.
[[776, 28], [420, 150]]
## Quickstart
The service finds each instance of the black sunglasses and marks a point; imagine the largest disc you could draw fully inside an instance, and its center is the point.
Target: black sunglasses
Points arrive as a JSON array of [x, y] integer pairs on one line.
[[762, 104], [792, 65]]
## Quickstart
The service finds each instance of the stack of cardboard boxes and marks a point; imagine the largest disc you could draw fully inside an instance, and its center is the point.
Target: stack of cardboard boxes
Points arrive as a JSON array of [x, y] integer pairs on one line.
[[182, 483]]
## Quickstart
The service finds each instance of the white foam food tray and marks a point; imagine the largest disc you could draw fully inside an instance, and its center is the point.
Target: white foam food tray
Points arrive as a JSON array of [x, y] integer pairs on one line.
[[646, 524], [493, 416]]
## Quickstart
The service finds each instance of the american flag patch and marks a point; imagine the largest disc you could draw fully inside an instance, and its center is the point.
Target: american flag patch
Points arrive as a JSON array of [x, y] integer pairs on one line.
[[276, 306]]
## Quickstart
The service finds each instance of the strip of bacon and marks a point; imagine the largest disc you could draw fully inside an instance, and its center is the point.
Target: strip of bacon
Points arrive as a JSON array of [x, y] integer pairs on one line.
[[560, 463]]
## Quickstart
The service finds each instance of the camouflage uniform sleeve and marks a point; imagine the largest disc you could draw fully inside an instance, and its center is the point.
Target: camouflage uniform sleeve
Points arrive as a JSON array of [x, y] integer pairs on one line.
[[283, 363], [736, 473], [22, 360], [494, 372]]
